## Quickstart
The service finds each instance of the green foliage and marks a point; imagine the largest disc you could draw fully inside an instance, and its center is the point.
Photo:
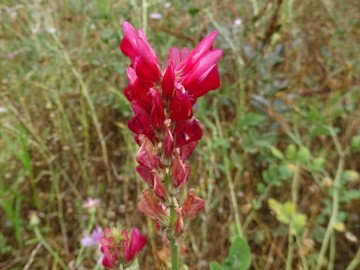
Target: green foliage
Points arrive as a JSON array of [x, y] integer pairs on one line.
[[355, 143], [239, 257], [286, 213]]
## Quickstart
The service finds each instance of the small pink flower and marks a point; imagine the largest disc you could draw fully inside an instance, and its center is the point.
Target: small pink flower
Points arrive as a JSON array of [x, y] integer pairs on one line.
[[91, 203], [133, 245], [93, 239], [110, 251]]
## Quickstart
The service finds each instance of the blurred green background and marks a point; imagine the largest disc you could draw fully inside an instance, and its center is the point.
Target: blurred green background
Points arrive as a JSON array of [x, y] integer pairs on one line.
[[279, 161]]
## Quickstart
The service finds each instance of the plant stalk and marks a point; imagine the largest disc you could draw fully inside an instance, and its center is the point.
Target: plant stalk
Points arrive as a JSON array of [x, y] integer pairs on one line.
[[335, 205], [173, 246]]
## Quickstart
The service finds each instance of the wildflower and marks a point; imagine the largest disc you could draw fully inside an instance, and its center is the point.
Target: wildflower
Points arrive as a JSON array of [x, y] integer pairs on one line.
[[155, 16], [162, 98], [110, 251], [118, 248], [93, 239], [133, 245], [91, 204]]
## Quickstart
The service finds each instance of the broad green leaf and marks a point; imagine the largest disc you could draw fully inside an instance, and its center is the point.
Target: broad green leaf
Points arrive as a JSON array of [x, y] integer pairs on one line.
[[215, 266], [239, 257]]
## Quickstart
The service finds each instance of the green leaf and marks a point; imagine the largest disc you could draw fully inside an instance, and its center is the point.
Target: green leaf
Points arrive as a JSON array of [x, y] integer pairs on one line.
[[277, 153], [291, 152], [355, 143], [303, 154], [215, 266], [239, 257]]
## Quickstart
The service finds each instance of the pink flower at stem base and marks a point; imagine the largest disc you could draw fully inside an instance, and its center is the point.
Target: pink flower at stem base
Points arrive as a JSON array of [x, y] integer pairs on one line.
[[133, 245]]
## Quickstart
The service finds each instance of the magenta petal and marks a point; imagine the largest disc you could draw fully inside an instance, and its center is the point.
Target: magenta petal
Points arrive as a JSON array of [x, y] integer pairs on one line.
[[199, 51], [146, 175], [157, 111], [159, 188], [147, 154], [168, 143], [211, 82], [168, 81], [181, 172], [177, 56], [147, 65], [132, 246], [187, 149], [180, 106], [201, 69], [128, 44], [187, 131], [149, 51], [141, 123]]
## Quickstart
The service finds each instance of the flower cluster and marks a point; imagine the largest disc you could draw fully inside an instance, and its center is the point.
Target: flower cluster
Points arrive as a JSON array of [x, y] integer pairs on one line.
[[115, 240], [162, 100]]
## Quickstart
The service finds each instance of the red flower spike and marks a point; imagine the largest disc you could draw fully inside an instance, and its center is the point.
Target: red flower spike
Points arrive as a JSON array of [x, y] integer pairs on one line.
[[168, 81], [192, 204], [180, 172], [179, 224], [187, 149], [168, 142], [180, 106], [132, 246], [150, 206], [141, 122], [110, 251], [159, 188], [186, 132], [147, 155], [157, 111], [146, 175]]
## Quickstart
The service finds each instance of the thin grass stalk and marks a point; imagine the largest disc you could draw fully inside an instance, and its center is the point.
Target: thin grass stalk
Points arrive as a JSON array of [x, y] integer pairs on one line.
[[335, 205]]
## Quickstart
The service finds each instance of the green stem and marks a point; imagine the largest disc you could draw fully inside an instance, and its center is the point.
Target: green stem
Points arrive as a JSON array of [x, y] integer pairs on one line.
[[335, 205], [355, 261], [294, 185], [49, 248], [332, 251], [144, 15], [173, 246]]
